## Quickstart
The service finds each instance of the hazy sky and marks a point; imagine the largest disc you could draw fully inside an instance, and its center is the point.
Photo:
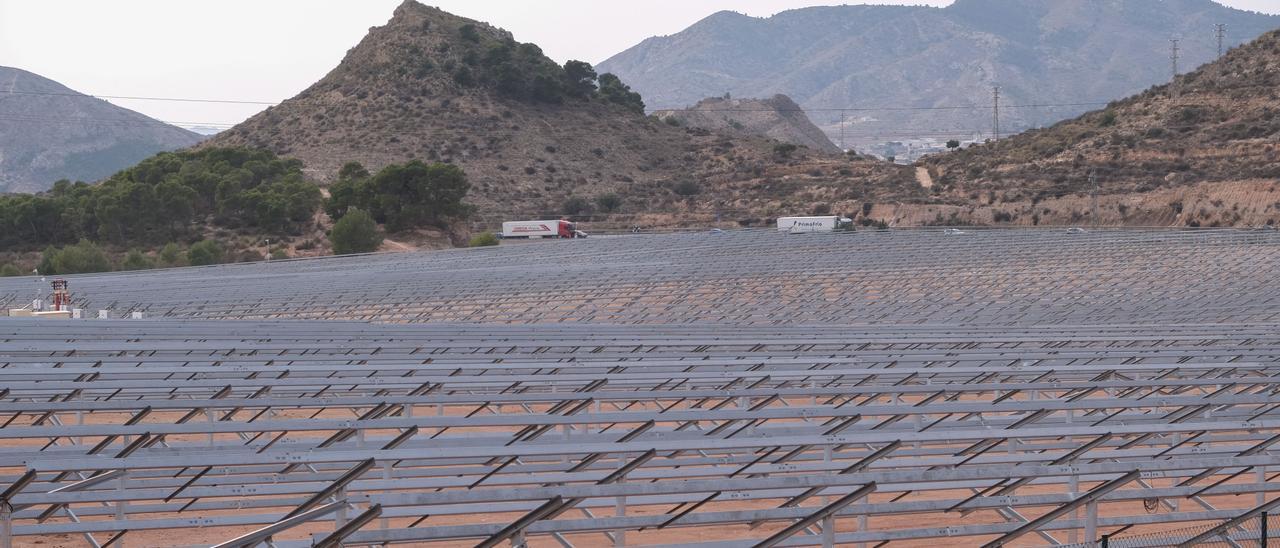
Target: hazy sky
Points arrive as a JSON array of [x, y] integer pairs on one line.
[[269, 50]]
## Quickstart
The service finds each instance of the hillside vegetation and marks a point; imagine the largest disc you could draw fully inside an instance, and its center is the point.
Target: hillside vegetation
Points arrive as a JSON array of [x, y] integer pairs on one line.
[[219, 205], [883, 61], [778, 118], [537, 138], [170, 196], [1214, 127]]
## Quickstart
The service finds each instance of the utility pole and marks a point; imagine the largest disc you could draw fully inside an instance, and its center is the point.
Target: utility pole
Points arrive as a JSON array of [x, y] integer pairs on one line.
[[1221, 31], [1093, 215], [842, 149], [995, 119], [1173, 58]]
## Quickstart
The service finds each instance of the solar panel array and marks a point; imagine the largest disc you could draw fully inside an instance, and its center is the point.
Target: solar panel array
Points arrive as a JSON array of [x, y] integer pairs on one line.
[[1020, 387]]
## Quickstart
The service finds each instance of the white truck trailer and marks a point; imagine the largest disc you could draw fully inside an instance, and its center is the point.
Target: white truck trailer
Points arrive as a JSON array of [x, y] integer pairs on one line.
[[541, 229], [830, 223]]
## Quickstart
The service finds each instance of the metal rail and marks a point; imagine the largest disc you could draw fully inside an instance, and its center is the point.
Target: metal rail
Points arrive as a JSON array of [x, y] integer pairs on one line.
[[745, 385]]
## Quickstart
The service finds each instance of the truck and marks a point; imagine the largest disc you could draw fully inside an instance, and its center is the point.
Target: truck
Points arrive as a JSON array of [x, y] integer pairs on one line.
[[828, 223], [540, 229]]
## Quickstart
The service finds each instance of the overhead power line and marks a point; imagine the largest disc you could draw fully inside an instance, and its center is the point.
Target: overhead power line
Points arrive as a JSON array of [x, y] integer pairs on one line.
[[731, 109], [139, 98], [880, 109]]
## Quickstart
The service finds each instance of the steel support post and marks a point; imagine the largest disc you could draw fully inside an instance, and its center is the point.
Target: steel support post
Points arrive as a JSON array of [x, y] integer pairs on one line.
[[1091, 521], [1263, 536], [829, 532], [1261, 474], [620, 510], [6, 525], [121, 506], [340, 518], [1073, 487]]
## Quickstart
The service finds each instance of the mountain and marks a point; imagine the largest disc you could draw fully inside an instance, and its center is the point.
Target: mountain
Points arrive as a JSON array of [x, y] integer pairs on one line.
[[901, 72], [532, 134], [778, 118], [51, 132], [1201, 150]]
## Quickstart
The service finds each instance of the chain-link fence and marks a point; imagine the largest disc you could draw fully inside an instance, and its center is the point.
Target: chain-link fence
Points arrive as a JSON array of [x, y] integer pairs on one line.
[[1253, 532]]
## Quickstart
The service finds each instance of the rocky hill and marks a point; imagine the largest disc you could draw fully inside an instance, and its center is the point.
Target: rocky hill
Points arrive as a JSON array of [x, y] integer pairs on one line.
[[778, 118], [50, 132], [884, 60], [532, 134], [1203, 150]]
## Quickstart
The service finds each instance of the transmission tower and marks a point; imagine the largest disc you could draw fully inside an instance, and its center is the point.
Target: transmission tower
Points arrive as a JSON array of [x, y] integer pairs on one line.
[[995, 118], [1173, 58], [1220, 30]]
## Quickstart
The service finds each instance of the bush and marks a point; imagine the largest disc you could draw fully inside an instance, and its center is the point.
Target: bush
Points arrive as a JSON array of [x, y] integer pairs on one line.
[[279, 254], [80, 258], [609, 203], [403, 196], [249, 256], [614, 91], [686, 188], [784, 150], [483, 239], [136, 260], [356, 232], [171, 254], [163, 198], [469, 33], [9, 270], [205, 252], [822, 210], [576, 205]]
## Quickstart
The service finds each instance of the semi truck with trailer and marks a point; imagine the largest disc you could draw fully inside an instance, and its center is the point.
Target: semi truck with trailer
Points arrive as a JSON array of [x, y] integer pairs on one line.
[[540, 229], [829, 223]]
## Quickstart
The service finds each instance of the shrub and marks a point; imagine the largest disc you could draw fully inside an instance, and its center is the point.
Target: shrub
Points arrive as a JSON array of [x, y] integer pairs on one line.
[[204, 252], [614, 91], [1107, 119], [822, 209], [576, 205], [9, 270], [469, 33], [356, 232], [686, 188], [163, 198], [249, 256], [483, 239], [279, 254], [136, 260], [170, 254], [784, 150], [609, 203], [404, 196], [80, 258]]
